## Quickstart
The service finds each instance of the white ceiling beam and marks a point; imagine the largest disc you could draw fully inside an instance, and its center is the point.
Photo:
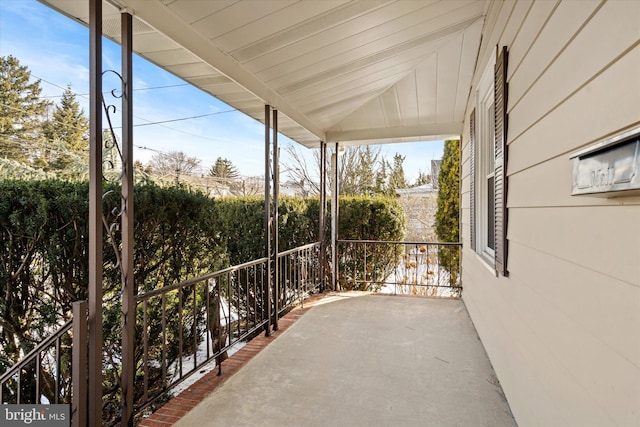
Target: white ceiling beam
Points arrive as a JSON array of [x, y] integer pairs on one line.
[[160, 17], [443, 130]]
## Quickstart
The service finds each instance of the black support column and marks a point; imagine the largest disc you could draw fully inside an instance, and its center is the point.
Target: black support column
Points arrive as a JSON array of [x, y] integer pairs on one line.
[[95, 215], [128, 286], [266, 296], [323, 216], [274, 221], [334, 215], [271, 293]]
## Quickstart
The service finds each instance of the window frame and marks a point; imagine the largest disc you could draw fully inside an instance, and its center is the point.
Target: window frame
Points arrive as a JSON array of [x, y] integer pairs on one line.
[[489, 155], [485, 162]]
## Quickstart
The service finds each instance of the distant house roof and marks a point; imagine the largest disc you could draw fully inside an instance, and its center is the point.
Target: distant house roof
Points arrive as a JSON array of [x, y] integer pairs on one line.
[[420, 191]]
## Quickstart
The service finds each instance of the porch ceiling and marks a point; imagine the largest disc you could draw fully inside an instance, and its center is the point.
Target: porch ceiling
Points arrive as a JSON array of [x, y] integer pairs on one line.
[[349, 71]]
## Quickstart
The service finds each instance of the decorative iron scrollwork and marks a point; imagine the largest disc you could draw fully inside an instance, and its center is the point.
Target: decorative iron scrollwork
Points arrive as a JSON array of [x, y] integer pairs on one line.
[[114, 214], [111, 142]]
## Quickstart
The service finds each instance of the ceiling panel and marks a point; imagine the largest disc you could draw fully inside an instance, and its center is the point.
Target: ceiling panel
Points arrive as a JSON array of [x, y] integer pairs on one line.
[[426, 87], [194, 11], [154, 42], [255, 36], [321, 29], [408, 99], [343, 35], [447, 71], [236, 16], [467, 65], [172, 57]]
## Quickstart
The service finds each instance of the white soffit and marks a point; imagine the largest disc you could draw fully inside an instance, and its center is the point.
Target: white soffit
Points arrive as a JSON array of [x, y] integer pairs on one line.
[[350, 71]]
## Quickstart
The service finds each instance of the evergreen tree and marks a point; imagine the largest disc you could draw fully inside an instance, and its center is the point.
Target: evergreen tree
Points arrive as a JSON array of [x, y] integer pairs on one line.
[[365, 173], [381, 177], [68, 131], [223, 168], [396, 176], [447, 215], [21, 110], [422, 179]]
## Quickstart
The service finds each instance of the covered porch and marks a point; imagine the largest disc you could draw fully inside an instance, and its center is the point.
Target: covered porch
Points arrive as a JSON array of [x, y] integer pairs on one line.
[[326, 75], [558, 316], [353, 358]]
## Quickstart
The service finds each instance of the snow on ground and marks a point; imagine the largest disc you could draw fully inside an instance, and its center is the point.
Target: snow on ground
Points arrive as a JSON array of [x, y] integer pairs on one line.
[[201, 354], [419, 274], [187, 364]]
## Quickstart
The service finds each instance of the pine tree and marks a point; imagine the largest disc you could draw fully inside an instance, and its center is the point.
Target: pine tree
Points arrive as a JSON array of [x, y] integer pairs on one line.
[[381, 177], [21, 110], [396, 176], [223, 168], [366, 169], [422, 179], [68, 131]]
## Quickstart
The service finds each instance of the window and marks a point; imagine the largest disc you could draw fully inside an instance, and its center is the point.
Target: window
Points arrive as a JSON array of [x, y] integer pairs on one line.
[[488, 166], [485, 150]]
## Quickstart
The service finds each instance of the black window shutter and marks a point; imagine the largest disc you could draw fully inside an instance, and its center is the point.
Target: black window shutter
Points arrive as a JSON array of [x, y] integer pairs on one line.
[[472, 174], [500, 184]]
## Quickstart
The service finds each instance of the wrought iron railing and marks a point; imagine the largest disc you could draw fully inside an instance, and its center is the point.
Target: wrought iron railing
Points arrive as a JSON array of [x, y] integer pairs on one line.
[[41, 376], [299, 270], [44, 375], [180, 328], [417, 268], [184, 326]]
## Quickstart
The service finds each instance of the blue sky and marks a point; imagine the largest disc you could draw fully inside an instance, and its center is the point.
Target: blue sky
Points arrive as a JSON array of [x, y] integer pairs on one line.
[[55, 49]]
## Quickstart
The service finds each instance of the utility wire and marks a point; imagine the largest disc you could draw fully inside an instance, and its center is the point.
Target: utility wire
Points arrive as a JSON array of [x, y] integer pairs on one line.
[[183, 118], [149, 122], [135, 90]]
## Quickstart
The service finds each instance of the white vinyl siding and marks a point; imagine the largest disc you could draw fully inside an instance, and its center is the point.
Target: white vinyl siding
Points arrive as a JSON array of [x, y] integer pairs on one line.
[[562, 330]]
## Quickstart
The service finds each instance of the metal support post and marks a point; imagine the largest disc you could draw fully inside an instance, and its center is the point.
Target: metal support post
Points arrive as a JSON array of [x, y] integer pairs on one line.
[[334, 217], [128, 286], [79, 365], [274, 221], [95, 214], [266, 300], [323, 216]]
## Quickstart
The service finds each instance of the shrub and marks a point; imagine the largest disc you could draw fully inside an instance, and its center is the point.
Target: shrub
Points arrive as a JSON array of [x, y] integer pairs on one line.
[[366, 218], [44, 257]]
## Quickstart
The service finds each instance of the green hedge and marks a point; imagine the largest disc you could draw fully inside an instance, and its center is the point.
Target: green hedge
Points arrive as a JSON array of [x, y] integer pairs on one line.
[[367, 218], [241, 222], [371, 218]]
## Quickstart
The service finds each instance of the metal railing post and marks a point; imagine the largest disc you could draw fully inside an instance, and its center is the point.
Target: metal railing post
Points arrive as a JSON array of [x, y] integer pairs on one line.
[[79, 365], [266, 300]]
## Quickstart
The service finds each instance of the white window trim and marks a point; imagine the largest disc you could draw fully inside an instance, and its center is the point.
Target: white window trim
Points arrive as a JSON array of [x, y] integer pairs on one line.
[[485, 149]]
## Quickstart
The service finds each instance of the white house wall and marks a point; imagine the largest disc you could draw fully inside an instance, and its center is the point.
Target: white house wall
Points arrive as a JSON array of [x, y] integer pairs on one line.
[[563, 330]]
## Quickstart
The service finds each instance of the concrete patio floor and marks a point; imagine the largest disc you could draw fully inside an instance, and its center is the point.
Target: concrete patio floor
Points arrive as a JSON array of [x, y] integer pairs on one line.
[[365, 360]]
